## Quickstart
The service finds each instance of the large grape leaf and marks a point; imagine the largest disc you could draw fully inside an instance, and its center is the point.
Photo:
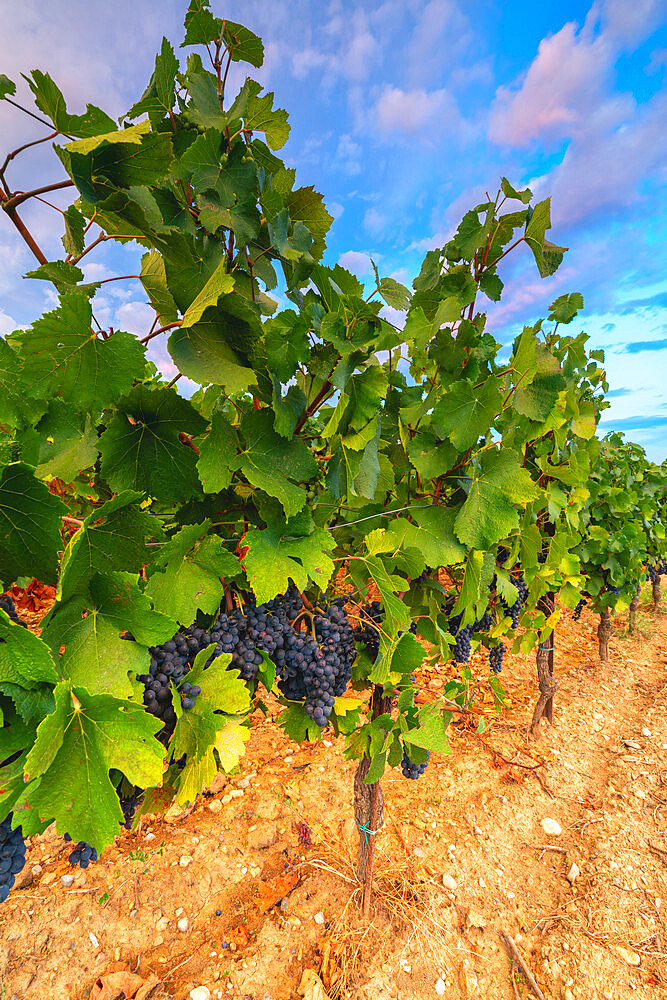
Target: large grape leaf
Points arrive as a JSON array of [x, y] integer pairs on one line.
[[433, 536], [62, 443], [185, 576], [489, 512], [141, 448], [158, 98], [200, 25], [259, 115], [30, 522], [222, 690], [50, 100], [465, 413], [547, 255], [305, 204], [217, 451], [86, 630], [154, 280], [274, 556], [220, 283], [112, 537], [17, 409], [76, 747], [25, 659], [286, 343], [242, 44], [62, 355], [273, 464]]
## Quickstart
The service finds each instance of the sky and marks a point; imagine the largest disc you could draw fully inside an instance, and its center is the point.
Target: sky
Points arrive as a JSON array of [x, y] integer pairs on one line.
[[403, 114]]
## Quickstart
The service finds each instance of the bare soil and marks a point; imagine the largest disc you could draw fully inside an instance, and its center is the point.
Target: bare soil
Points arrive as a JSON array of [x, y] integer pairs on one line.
[[475, 818]]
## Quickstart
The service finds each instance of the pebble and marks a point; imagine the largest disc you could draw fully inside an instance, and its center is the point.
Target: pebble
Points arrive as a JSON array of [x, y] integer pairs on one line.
[[236, 793], [149, 837], [449, 882], [573, 873], [185, 861], [158, 941], [180, 911], [476, 920], [418, 852], [552, 827], [243, 783], [67, 880], [284, 904], [215, 806], [183, 925], [319, 918], [226, 799], [646, 732], [629, 956], [440, 987], [37, 869], [162, 924], [200, 993], [133, 914]]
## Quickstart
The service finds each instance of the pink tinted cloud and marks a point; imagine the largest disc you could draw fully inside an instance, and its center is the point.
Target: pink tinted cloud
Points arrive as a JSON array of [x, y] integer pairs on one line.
[[563, 85], [418, 112]]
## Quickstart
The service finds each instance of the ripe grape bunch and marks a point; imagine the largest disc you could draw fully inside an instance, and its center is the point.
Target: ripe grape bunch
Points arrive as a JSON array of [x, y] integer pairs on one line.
[[12, 856], [410, 769], [496, 654], [7, 605], [576, 615], [370, 619], [515, 610], [82, 854]]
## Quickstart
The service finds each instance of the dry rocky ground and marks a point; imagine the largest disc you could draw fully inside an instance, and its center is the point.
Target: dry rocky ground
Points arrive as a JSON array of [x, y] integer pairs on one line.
[[224, 901]]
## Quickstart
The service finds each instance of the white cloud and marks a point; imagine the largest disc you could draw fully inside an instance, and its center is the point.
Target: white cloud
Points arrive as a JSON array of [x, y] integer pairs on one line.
[[440, 28], [418, 112], [7, 324], [348, 155], [630, 23], [357, 262], [374, 221]]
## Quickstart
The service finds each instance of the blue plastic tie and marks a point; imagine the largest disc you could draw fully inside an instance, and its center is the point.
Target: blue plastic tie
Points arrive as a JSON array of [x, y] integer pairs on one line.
[[366, 830]]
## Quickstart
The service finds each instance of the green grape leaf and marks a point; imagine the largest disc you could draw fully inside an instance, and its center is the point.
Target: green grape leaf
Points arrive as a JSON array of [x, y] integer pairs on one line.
[[488, 514], [75, 224], [62, 356], [222, 690], [217, 452], [466, 412], [76, 747], [242, 44], [7, 86], [432, 731], [50, 100], [185, 576], [230, 744], [219, 284], [395, 295], [62, 444], [87, 630], [566, 307], [305, 204], [491, 285], [196, 776], [547, 255], [141, 448], [30, 522], [200, 25], [275, 556], [158, 98], [25, 659], [288, 409], [273, 464], [297, 725], [112, 537], [510, 192], [32, 705], [260, 116], [154, 280], [17, 409], [286, 343]]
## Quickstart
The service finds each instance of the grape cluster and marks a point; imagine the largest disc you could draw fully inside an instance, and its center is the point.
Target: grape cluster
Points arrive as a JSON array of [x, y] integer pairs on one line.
[[462, 638], [652, 573], [662, 567], [370, 617], [82, 854], [12, 856], [410, 769], [128, 804], [7, 605], [496, 654], [576, 615]]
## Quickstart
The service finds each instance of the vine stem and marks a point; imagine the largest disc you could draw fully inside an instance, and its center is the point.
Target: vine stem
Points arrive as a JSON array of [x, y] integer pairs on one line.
[[22, 196], [162, 329], [23, 230]]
